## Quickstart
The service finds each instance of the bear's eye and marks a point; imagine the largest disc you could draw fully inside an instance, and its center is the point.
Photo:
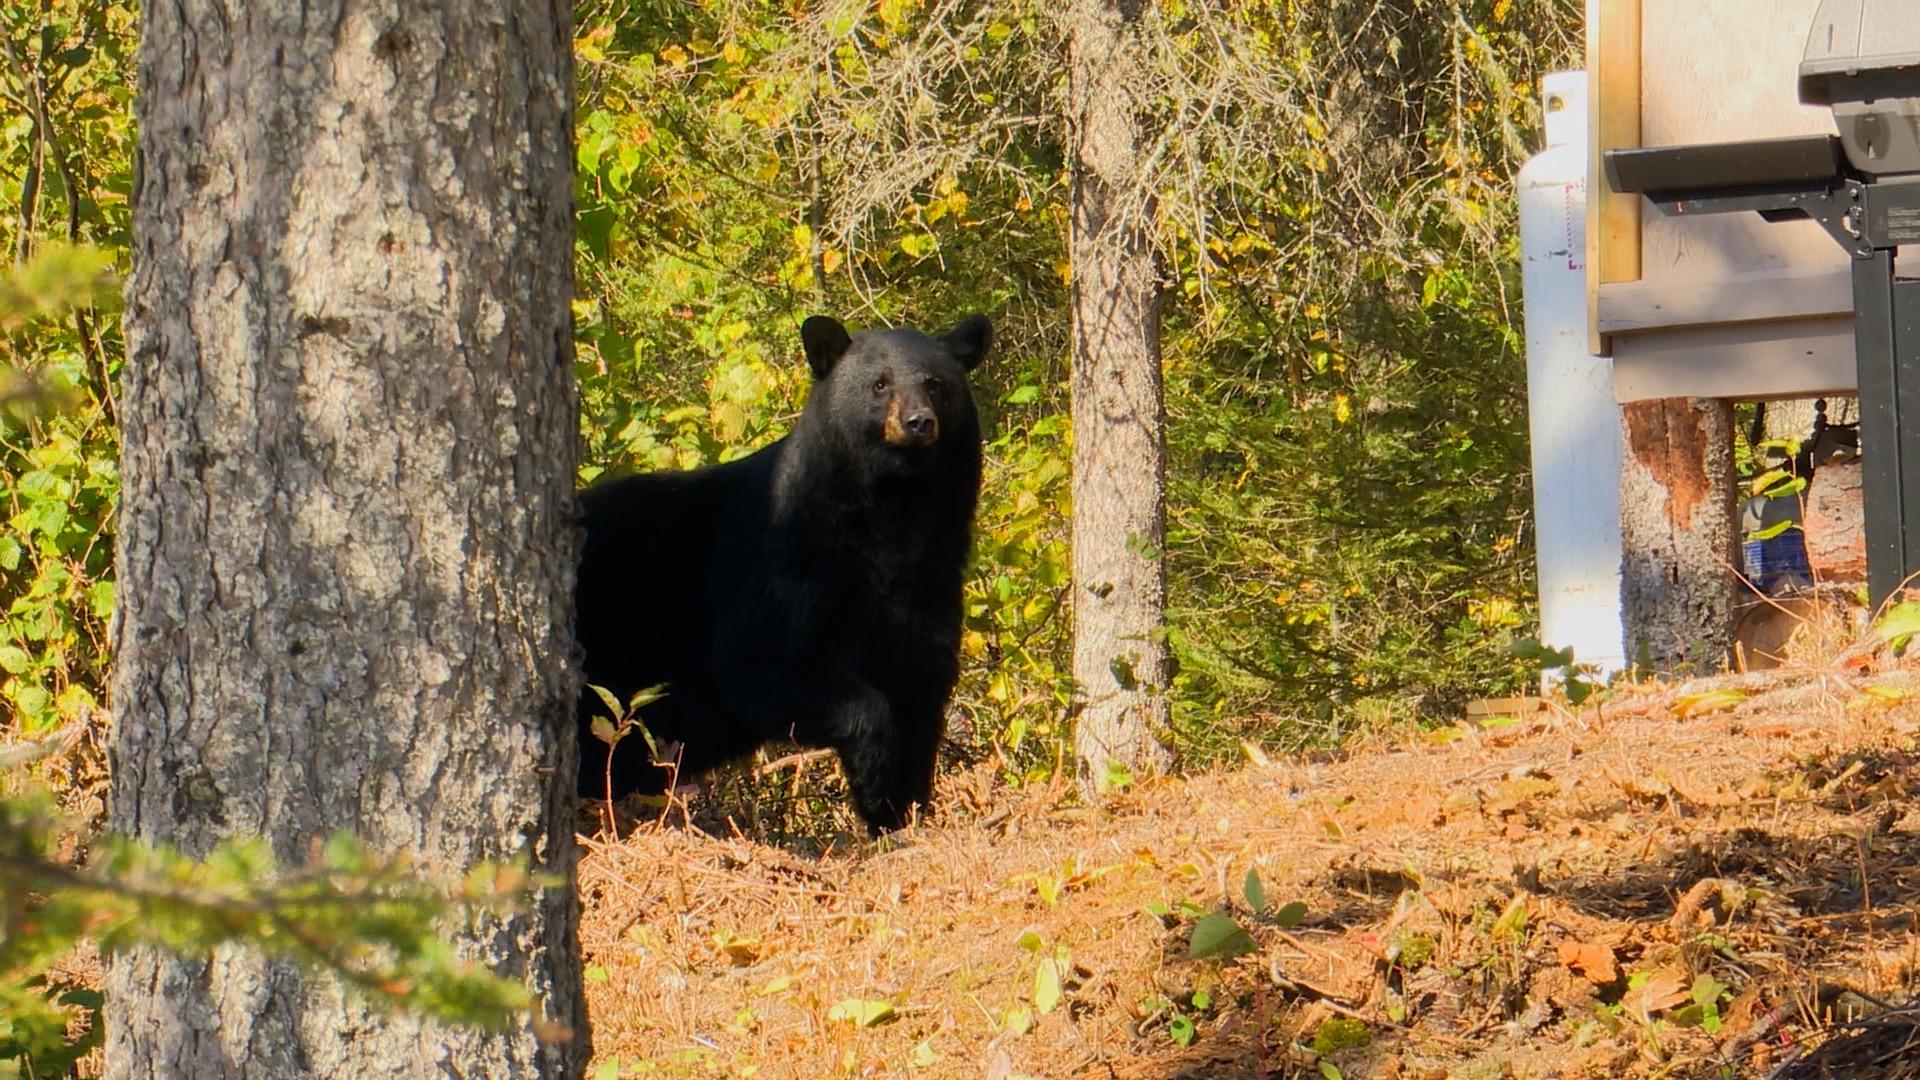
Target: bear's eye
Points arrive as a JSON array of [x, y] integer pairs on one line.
[[935, 388], [881, 385]]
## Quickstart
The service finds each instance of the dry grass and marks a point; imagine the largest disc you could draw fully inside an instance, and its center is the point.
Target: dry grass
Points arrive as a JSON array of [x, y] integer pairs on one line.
[[1546, 898]]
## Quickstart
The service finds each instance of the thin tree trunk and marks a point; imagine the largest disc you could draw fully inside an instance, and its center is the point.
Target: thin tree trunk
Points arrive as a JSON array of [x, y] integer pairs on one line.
[[1679, 535], [348, 444], [1119, 472]]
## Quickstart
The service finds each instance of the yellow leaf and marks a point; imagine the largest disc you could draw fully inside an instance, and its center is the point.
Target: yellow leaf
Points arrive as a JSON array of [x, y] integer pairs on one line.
[[741, 950], [1879, 697], [1711, 702], [1046, 986], [973, 643], [861, 1012]]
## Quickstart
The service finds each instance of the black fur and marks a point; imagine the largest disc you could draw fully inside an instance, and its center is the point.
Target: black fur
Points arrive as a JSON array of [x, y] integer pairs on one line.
[[809, 593]]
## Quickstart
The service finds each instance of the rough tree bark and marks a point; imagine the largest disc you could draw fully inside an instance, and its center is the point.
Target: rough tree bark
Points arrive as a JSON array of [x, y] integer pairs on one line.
[[1679, 534], [346, 554], [1120, 659]]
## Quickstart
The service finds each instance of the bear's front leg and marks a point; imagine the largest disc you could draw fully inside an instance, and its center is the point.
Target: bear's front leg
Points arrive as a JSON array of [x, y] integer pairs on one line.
[[841, 712], [870, 750], [920, 717]]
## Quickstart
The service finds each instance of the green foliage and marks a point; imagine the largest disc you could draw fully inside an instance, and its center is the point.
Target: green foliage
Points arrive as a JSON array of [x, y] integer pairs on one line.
[[1703, 1008], [1218, 935], [1337, 1033], [1578, 681], [367, 920], [66, 161], [743, 165], [1343, 376], [1254, 892], [1345, 392], [1346, 454], [1180, 1027], [1897, 625]]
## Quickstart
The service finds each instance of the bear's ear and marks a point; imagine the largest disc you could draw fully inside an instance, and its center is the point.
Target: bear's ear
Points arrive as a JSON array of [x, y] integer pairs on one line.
[[970, 340], [826, 342]]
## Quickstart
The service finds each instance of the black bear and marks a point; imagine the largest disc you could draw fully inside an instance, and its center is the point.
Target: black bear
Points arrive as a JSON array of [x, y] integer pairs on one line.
[[808, 593]]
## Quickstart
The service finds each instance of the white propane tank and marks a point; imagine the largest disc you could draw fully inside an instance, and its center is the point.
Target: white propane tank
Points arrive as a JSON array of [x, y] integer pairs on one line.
[[1574, 420]]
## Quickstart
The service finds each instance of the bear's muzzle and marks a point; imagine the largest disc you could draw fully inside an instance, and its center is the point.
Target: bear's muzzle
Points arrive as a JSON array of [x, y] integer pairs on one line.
[[912, 427]]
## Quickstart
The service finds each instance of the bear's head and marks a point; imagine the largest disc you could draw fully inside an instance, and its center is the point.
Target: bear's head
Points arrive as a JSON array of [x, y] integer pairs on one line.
[[897, 397]]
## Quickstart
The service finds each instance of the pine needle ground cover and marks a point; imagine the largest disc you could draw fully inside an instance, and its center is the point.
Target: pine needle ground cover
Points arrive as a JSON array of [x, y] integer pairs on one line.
[[1707, 879]]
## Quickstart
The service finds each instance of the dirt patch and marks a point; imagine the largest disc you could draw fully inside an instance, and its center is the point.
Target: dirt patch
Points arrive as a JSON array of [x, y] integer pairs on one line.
[[1714, 879]]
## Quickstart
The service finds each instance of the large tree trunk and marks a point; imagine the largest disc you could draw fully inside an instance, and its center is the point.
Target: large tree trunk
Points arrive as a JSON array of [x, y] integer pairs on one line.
[[1119, 471], [346, 554]]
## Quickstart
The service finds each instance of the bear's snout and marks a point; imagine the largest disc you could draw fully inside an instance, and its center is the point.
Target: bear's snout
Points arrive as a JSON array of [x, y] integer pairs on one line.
[[911, 426]]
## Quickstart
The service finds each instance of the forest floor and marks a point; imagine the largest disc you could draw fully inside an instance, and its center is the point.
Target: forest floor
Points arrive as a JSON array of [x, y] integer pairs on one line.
[[1705, 879]]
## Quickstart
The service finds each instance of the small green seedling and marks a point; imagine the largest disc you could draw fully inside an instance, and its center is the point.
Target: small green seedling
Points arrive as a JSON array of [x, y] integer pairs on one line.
[[1578, 681]]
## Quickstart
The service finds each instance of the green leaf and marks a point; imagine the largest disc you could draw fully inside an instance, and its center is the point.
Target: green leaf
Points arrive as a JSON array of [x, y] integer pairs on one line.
[[15, 660], [100, 598], [604, 730], [1290, 916], [606, 698], [1180, 1029], [40, 485], [1255, 893], [1708, 990], [34, 702], [1577, 690], [1525, 649], [1219, 935], [1792, 486], [1900, 622], [1512, 923]]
